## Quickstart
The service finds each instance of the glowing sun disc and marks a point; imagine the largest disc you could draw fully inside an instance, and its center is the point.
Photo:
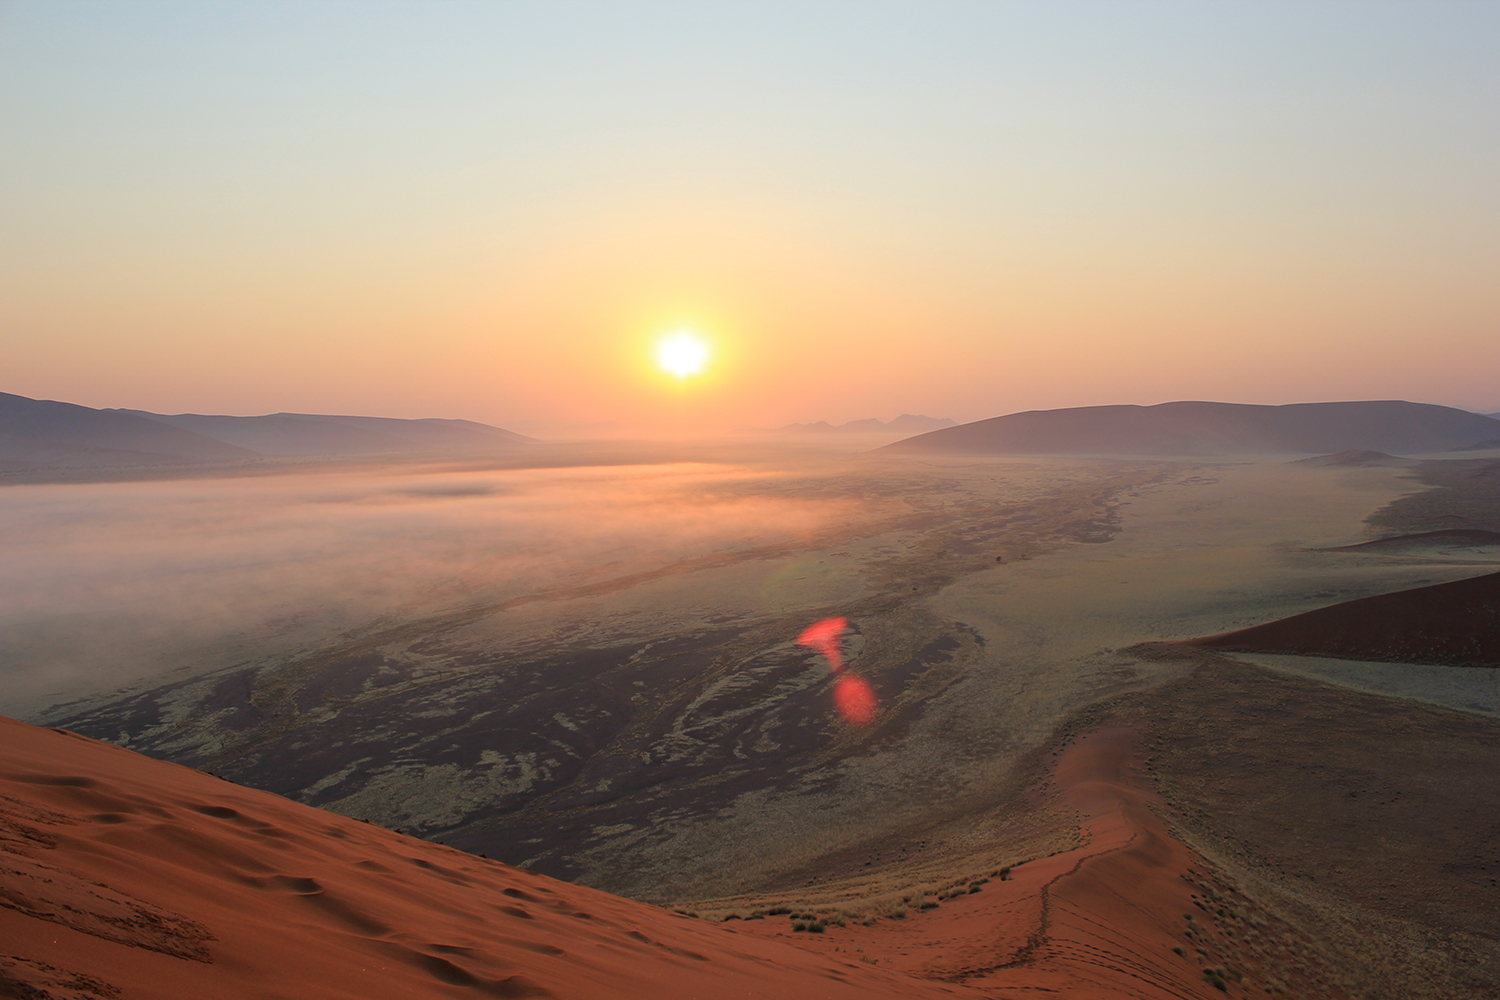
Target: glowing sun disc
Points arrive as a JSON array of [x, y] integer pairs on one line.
[[682, 354]]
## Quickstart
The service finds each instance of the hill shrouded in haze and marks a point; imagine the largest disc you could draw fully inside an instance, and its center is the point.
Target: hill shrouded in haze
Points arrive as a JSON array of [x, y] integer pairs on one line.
[[43, 432], [1204, 428], [38, 433], [298, 434], [907, 423]]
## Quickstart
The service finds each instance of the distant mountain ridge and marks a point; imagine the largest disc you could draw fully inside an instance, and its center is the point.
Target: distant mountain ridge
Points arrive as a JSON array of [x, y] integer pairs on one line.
[[43, 433], [286, 435], [1193, 428], [907, 423]]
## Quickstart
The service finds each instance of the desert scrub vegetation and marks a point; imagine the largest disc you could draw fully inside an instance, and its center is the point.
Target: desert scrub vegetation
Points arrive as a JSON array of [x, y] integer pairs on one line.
[[1218, 977], [871, 897], [817, 923]]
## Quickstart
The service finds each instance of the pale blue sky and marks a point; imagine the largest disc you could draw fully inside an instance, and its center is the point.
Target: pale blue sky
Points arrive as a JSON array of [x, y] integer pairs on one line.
[[976, 207]]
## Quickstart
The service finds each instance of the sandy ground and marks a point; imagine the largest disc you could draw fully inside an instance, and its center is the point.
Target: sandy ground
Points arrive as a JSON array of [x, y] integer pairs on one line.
[[1368, 822], [1093, 558], [1465, 689], [1131, 912], [723, 771], [124, 877], [1217, 548]]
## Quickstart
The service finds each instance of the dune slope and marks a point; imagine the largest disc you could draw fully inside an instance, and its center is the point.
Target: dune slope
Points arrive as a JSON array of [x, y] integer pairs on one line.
[[1132, 913], [1455, 623], [125, 877]]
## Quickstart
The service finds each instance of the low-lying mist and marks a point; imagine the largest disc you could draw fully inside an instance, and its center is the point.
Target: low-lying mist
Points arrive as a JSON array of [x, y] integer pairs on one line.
[[113, 583]]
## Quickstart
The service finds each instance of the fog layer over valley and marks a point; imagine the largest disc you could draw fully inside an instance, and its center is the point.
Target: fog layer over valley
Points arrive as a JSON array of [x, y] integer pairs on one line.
[[110, 583]]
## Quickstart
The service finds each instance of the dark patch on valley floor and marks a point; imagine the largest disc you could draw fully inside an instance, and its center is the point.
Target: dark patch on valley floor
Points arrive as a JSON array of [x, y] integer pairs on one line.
[[1467, 498], [537, 754]]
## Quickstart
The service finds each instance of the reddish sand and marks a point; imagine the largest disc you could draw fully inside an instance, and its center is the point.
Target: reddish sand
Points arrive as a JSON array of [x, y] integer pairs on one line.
[[1454, 623], [120, 872], [1099, 921], [122, 876]]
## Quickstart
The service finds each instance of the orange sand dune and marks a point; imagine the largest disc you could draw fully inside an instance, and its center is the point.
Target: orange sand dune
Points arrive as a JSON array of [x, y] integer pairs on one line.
[[121, 876], [118, 872], [1096, 922]]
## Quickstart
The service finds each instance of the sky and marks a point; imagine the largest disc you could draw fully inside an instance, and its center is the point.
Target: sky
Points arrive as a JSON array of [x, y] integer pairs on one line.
[[494, 210]]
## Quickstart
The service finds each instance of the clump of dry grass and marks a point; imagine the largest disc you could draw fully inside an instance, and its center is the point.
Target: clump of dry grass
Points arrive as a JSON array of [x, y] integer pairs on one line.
[[862, 903]]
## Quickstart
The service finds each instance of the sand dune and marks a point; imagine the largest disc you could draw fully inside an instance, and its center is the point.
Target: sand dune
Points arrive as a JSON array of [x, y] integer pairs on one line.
[[121, 876], [1109, 919], [1444, 538], [1204, 428], [1353, 457], [1455, 623], [126, 877]]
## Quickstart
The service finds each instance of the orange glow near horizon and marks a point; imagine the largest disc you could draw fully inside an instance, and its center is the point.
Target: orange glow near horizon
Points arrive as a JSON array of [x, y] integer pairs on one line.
[[497, 215]]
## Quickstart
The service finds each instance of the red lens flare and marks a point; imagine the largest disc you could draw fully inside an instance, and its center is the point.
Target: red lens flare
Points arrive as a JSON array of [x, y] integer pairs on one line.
[[855, 699], [852, 695], [824, 636]]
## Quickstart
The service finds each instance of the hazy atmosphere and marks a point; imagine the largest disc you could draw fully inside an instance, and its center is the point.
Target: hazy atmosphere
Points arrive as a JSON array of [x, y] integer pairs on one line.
[[655, 500], [110, 582], [490, 210]]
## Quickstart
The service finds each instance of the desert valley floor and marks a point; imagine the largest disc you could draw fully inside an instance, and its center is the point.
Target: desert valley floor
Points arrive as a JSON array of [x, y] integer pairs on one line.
[[1057, 794]]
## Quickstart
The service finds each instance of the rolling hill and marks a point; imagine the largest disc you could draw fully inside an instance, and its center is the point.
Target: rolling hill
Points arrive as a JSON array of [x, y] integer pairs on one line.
[[1206, 428], [907, 423], [45, 434], [303, 434], [42, 432]]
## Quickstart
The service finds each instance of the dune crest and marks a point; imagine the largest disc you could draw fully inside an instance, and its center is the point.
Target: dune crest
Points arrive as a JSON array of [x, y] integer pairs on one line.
[[122, 876]]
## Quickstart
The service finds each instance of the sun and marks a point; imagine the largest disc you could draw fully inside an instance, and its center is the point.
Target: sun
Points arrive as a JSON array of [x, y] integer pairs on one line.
[[682, 353]]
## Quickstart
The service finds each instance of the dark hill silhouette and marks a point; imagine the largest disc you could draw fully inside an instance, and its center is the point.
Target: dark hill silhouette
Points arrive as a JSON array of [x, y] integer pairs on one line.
[[304, 434], [1442, 538], [43, 432], [1205, 428], [1351, 458], [1454, 623], [40, 433]]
